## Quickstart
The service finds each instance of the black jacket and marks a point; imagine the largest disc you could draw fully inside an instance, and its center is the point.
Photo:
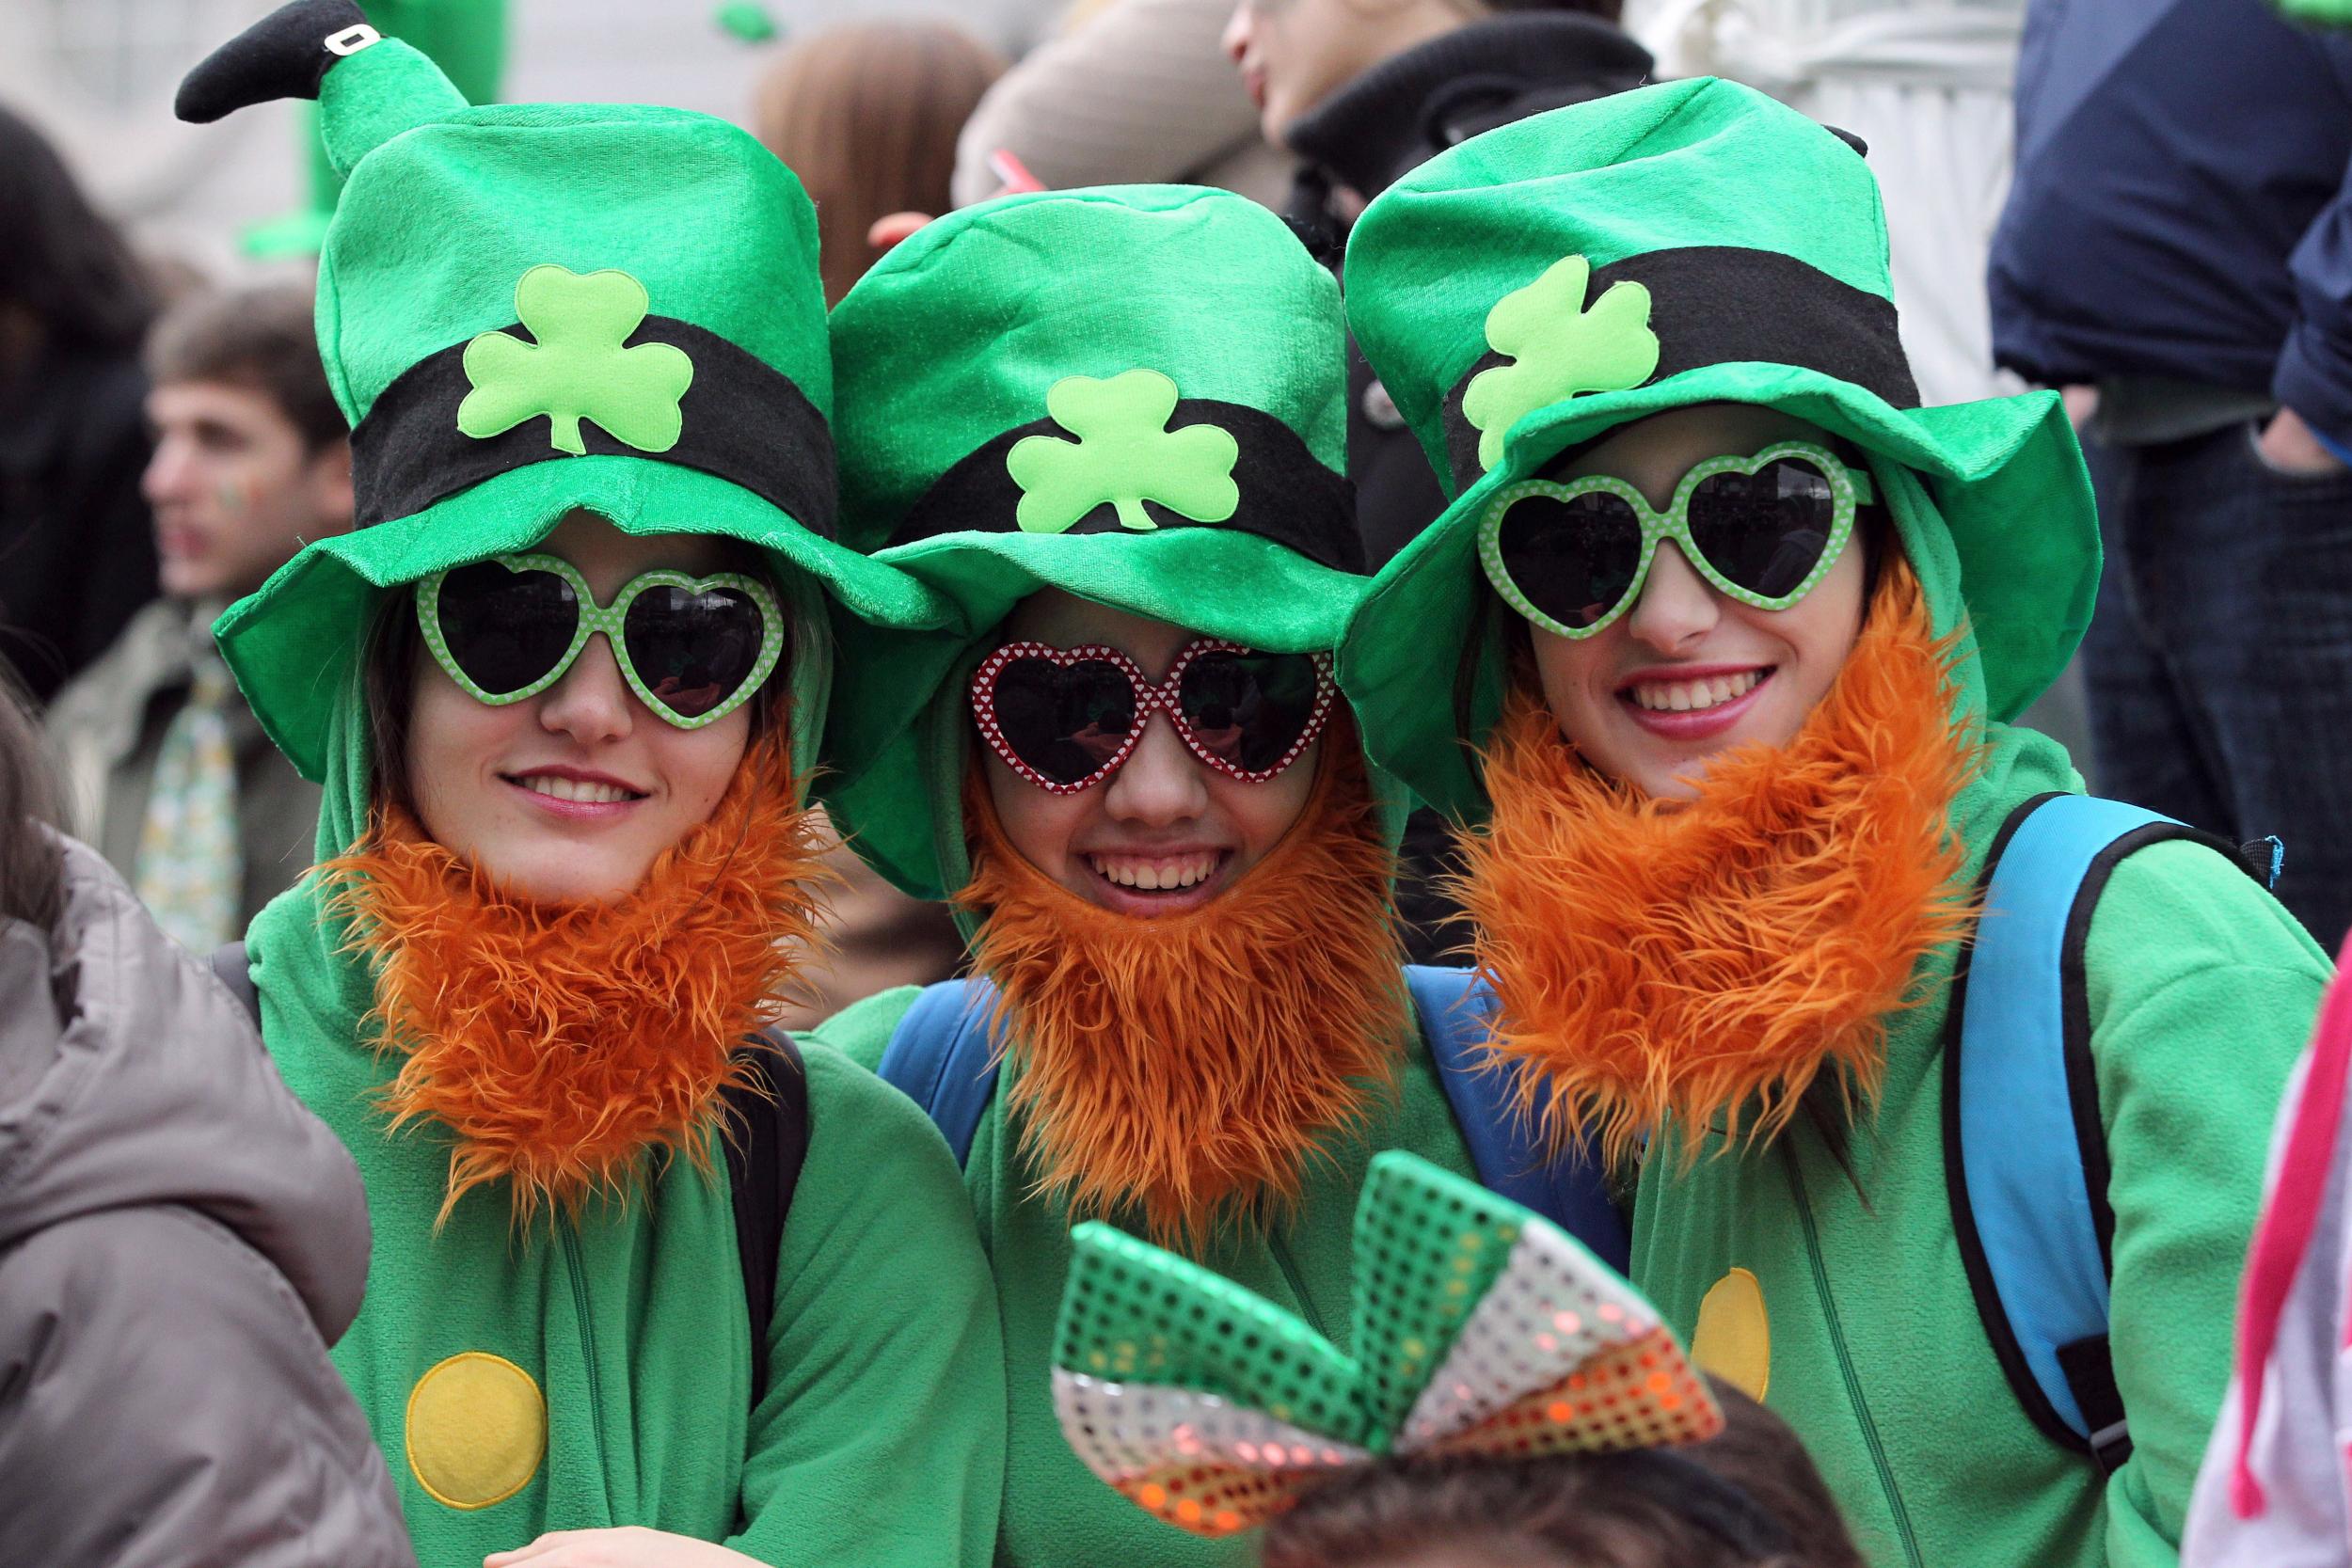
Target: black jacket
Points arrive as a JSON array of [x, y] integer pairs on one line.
[[77, 549], [2180, 208]]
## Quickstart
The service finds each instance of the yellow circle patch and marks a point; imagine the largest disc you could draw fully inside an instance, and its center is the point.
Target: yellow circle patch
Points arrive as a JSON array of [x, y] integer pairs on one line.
[[477, 1430], [1734, 1337]]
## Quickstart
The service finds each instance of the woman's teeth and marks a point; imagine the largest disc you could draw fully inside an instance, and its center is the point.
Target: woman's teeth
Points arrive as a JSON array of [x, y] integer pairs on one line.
[[1692, 696], [575, 789], [1156, 876]]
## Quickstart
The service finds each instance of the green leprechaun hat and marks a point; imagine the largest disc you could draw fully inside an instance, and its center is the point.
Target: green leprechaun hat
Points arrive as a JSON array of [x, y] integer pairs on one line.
[[1695, 242], [1135, 395], [528, 308]]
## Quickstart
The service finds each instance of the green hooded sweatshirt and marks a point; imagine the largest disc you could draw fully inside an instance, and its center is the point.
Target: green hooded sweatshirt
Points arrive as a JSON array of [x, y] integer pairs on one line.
[[1743, 248], [963, 334], [578, 1373]]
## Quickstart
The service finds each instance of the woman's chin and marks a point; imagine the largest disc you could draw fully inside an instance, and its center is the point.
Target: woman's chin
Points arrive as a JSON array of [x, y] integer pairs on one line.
[[562, 875]]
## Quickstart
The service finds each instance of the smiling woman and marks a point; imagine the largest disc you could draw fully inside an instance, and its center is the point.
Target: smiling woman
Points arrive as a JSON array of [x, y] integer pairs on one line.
[[1754, 849], [1108, 425], [569, 790], [565, 691]]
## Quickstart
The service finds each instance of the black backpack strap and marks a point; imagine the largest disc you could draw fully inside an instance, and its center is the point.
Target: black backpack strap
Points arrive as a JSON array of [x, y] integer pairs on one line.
[[231, 969], [766, 1143]]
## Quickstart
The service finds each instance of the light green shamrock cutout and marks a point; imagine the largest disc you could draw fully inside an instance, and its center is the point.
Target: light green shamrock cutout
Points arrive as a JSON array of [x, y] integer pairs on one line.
[[1560, 348], [578, 369], [1125, 454]]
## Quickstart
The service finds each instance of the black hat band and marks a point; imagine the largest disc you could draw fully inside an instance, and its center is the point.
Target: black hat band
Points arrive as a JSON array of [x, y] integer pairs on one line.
[[743, 420], [1720, 305], [1286, 495]]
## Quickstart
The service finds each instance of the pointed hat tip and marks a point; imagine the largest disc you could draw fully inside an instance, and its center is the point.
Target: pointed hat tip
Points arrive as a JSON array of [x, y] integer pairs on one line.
[[291, 54]]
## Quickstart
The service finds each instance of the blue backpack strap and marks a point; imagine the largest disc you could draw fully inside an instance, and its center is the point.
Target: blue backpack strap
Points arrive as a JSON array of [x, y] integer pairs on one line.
[[940, 1057], [2024, 1150], [1505, 1150]]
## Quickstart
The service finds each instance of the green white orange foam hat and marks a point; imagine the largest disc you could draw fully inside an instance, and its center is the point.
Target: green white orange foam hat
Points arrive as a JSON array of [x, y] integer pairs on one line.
[[1478, 1328]]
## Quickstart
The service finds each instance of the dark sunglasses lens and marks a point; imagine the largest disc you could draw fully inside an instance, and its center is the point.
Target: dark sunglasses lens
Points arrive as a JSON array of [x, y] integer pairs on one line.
[[1247, 709], [507, 629], [692, 650], [1765, 530], [1065, 720], [1575, 559]]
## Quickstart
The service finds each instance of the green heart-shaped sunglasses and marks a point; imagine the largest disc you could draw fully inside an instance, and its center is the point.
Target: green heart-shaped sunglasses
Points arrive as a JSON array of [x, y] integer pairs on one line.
[[1765, 529], [693, 649]]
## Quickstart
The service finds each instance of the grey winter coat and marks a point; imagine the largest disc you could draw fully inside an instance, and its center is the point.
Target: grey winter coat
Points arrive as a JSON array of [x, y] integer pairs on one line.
[[179, 1241]]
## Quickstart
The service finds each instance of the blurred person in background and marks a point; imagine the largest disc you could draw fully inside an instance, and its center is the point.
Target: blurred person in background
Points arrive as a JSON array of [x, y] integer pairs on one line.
[[2178, 238], [1926, 84], [866, 113], [76, 557], [180, 1242], [169, 773], [1364, 91], [1126, 92]]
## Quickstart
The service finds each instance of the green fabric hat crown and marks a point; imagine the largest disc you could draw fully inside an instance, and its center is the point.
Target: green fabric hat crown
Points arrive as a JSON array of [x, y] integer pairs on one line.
[[1478, 1327], [1135, 394], [529, 309], [1688, 243]]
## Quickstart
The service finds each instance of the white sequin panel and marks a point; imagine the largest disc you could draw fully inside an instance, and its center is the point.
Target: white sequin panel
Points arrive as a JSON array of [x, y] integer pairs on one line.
[[1549, 1311], [1130, 1429]]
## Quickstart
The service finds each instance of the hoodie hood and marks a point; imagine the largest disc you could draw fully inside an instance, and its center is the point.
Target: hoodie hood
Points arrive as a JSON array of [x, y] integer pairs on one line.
[[133, 1079]]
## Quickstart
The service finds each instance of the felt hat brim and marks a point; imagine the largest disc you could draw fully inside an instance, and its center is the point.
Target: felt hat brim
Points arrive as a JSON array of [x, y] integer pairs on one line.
[[326, 596], [897, 735], [2006, 475]]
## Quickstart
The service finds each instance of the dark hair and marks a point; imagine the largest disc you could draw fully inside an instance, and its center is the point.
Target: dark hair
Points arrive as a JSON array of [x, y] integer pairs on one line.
[[59, 260], [866, 115], [388, 678], [1608, 11], [32, 866], [262, 340], [1681, 1508]]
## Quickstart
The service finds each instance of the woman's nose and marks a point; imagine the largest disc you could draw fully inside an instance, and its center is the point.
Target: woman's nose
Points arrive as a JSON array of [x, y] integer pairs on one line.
[[593, 702], [1161, 781], [1678, 606]]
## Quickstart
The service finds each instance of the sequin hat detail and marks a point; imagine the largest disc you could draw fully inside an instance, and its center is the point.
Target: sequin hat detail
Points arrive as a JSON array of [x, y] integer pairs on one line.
[[1480, 1328]]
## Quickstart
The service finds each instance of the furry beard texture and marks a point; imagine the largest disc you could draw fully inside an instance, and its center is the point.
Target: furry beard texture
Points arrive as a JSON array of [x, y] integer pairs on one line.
[[560, 1042], [1704, 961], [1186, 1067]]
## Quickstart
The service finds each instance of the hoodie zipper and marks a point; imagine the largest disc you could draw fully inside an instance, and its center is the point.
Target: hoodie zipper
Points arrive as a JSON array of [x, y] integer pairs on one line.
[[1845, 1361], [587, 1334], [1282, 1261]]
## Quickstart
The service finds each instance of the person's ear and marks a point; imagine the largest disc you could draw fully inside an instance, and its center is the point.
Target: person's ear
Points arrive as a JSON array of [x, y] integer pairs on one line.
[[330, 487]]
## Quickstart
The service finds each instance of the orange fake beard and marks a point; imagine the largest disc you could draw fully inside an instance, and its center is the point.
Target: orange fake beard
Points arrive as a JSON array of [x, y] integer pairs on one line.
[[1703, 962], [559, 1042], [1186, 1067]]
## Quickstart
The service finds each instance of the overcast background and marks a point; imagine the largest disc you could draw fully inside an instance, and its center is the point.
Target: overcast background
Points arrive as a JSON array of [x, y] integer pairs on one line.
[[98, 75]]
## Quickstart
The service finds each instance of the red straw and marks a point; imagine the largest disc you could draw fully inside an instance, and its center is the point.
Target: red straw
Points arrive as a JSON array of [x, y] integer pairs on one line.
[[1013, 172]]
